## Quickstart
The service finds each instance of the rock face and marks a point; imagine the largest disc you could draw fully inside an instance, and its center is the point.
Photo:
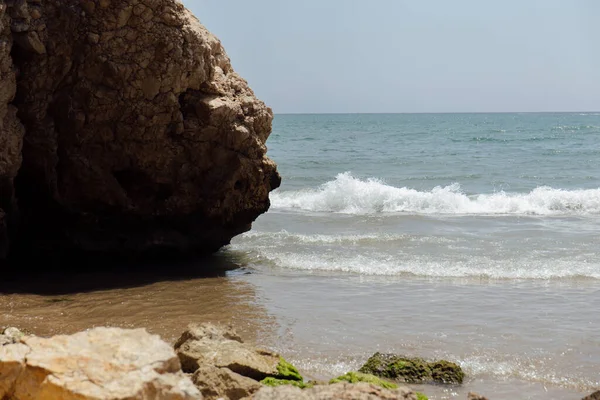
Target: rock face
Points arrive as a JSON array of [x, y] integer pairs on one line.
[[11, 130], [139, 136], [413, 370], [354, 391], [103, 363]]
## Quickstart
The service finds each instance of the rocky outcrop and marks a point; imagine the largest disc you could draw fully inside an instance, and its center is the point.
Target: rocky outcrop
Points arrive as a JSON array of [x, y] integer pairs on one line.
[[413, 370], [139, 138], [357, 391], [102, 363], [11, 130]]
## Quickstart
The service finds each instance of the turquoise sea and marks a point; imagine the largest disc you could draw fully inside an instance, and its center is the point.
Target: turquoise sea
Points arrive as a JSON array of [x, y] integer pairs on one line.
[[473, 237]]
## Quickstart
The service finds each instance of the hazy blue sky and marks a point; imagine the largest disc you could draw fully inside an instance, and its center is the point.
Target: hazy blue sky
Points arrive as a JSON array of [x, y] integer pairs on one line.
[[413, 56]]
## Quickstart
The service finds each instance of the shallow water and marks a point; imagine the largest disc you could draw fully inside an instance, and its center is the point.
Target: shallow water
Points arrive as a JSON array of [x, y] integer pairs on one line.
[[472, 237]]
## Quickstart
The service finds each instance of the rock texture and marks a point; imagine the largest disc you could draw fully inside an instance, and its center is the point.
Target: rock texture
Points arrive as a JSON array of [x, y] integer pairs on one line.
[[475, 396], [346, 391], [593, 396], [223, 383], [226, 367], [139, 138], [103, 363], [11, 130], [413, 370]]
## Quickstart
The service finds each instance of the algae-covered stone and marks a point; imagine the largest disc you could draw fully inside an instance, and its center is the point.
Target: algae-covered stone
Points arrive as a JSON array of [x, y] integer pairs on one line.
[[355, 377], [273, 382], [287, 371], [412, 370], [421, 396]]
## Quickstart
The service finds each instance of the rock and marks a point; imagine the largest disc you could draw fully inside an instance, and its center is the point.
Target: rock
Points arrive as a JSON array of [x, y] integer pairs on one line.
[[11, 130], [140, 137], [270, 381], [475, 396], [355, 377], [215, 383], [412, 370], [593, 396], [102, 363], [211, 345], [357, 391], [10, 336]]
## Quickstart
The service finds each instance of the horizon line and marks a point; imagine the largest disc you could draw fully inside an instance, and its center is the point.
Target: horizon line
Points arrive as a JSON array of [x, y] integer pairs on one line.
[[438, 112]]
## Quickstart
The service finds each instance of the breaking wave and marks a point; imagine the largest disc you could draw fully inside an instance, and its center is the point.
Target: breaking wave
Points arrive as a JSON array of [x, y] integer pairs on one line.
[[350, 195]]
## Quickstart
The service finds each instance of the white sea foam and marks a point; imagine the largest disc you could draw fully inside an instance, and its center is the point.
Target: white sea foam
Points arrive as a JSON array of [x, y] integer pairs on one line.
[[372, 263], [350, 195]]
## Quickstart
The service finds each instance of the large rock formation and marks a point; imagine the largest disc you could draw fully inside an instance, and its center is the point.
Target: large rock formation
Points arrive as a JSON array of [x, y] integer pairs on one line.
[[11, 130], [139, 136]]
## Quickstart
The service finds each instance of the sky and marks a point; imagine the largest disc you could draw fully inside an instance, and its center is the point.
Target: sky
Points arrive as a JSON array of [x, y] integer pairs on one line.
[[350, 56]]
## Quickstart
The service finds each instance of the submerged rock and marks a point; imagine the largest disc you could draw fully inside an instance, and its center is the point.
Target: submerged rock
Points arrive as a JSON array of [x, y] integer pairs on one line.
[[140, 137], [102, 363], [413, 370], [355, 391]]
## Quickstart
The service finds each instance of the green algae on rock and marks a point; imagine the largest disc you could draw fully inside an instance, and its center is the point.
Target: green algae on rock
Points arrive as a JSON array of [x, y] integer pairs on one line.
[[355, 377], [287, 371], [421, 396], [270, 381], [413, 370]]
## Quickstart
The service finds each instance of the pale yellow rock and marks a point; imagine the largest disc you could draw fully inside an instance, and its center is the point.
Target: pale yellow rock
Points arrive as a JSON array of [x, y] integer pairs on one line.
[[12, 363], [341, 391], [102, 363], [210, 345]]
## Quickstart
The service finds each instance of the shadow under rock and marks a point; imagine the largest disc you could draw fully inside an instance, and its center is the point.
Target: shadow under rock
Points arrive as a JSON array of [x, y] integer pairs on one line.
[[55, 277]]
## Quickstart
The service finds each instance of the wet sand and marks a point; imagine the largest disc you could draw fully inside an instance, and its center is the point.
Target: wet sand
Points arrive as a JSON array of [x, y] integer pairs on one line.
[[162, 301]]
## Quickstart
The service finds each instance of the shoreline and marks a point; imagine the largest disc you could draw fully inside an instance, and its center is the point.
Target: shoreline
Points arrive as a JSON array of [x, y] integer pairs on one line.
[[164, 306]]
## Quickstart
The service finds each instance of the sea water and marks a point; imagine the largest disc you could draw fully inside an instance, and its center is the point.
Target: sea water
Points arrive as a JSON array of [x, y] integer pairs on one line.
[[471, 237]]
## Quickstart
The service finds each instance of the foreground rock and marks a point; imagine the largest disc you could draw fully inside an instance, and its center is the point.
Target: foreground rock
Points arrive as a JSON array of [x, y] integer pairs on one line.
[[139, 138], [102, 363], [356, 391], [593, 396], [413, 370], [226, 367]]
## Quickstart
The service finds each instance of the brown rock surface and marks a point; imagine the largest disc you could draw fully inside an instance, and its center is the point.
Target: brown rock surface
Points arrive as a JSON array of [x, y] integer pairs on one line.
[[102, 363], [345, 391], [222, 383], [210, 345], [475, 396], [593, 396], [139, 134]]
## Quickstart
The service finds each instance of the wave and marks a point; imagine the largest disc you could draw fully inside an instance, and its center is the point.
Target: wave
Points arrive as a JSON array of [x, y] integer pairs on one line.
[[349, 195], [381, 264]]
